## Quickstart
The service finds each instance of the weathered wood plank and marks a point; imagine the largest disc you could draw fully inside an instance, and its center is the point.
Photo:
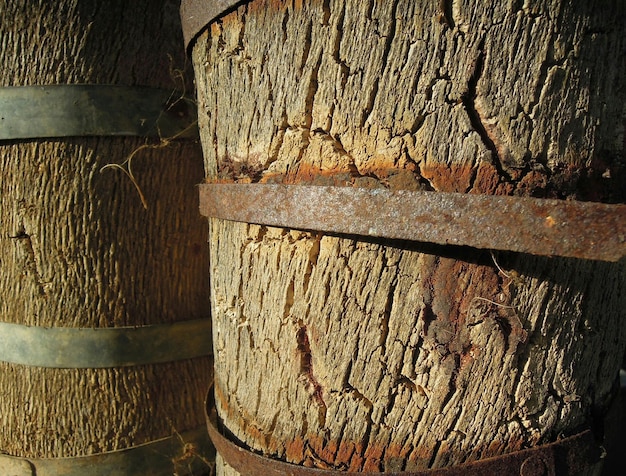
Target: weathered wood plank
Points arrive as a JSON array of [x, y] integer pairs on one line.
[[77, 248], [364, 354]]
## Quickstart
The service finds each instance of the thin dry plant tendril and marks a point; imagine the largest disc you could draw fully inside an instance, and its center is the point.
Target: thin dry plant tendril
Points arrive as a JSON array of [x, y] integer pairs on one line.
[[189, 451], [493, 257], [126, 166], [515, 317], [493, 302]]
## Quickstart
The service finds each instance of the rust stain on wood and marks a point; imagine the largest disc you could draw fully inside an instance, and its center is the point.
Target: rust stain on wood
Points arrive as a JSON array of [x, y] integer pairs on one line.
[[601, 182]]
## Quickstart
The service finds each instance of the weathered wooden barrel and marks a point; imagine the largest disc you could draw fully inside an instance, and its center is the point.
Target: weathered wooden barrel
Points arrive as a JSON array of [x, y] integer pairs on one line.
[[104, 315], [407, 233]]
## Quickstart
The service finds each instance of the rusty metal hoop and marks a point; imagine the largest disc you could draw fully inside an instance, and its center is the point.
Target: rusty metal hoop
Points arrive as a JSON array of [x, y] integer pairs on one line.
[[195, 15], [567, 456], [584, 230]]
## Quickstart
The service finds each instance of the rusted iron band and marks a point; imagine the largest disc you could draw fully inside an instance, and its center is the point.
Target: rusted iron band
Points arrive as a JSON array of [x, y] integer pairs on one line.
[[574, 229], [195, 15], [82, 110], [564, 457], [162, 457], [96, 348]]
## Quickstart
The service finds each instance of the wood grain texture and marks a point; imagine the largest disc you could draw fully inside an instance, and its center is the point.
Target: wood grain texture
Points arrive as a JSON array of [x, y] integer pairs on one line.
[[77, 248], [367, 355]]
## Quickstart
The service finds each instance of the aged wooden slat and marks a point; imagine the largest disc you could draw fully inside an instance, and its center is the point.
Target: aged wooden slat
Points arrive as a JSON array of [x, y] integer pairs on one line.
[[77, 247], [368, 354]]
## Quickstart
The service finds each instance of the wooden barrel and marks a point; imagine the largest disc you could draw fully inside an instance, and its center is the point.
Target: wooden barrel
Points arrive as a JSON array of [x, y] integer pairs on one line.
[[104, 316], [371, 354]]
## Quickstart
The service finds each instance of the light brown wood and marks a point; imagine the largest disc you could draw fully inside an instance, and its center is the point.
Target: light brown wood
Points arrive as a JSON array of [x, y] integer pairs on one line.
[[368, 355], [77, 247]]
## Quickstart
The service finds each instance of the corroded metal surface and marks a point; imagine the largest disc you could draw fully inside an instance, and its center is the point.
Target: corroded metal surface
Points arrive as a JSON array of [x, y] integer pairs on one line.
[[79, 110], [161, 457], [544, 227], [197, 14], [105, 347], [564, 457]]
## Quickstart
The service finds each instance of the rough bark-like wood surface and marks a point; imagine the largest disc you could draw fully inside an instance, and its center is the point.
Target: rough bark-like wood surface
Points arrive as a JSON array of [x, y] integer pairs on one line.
[[363, 354], [77, 248]]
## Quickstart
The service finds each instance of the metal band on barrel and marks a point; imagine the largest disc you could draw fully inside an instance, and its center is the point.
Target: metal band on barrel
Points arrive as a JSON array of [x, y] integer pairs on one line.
[[82, 110], [195, 15], [567, 456], [79, 348], [574, 229], [162, 457]]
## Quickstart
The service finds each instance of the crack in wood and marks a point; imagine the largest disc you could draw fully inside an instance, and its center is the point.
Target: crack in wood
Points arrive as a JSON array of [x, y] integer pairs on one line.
[[313, 387], [316, 459], [314, 253], [284, 28], [389, 305], [453, 381], [446, 14], [270, 430], [468, 99], [325, 12], [344, 68], [31, 264], [289, 299], [308, 41], [312, 91], [365, 115]]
